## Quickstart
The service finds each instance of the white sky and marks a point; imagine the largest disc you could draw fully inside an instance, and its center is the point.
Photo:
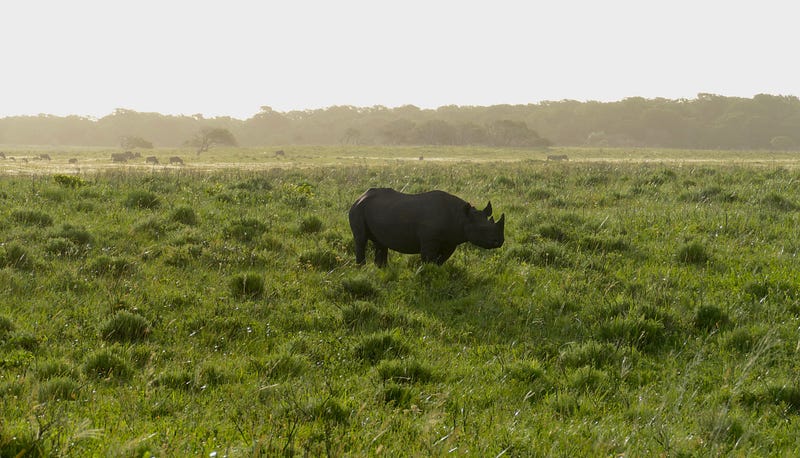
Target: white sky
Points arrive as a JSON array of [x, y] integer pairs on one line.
[[230, 57]]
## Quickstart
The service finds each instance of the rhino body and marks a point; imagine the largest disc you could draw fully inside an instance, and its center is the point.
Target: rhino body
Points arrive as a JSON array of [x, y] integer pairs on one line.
[[432, 224]]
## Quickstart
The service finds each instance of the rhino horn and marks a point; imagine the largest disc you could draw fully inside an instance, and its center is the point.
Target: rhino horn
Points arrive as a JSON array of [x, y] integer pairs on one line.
[[488, 210]]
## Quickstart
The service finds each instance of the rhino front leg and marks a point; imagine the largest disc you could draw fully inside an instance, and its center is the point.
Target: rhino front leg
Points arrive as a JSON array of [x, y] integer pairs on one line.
[[436, 252]]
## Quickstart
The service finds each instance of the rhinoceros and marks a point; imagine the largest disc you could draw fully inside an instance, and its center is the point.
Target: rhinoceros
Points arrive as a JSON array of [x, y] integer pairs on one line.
[[432, 223]]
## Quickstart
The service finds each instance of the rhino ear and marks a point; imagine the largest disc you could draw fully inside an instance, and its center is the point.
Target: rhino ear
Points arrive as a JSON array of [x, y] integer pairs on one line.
[[488, 210]]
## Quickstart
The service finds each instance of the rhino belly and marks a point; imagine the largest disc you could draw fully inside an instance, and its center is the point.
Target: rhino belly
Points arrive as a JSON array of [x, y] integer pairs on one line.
[[398, 237]]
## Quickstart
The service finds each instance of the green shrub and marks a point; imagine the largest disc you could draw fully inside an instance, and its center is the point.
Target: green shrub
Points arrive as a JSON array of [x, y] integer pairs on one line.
[[32, 218], [15, 256], [175, 379], [184, 215], [398, 396], [693, 253], [375, 347], [53, 368], [281, 367], [22, 340], [320, 259], [359, 287], [59, 388], [710, 317], [245, 230], [69, 181], [112, 267], [142, 200], [76, 234], [404, 371], [525, 371], [125, 327], [105, 364], [6, 327], [247, 286], [310, 225], [329, 410]]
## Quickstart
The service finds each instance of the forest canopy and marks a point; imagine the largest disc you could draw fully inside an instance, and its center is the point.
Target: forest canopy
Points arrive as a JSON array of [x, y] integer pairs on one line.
[[707, 122]]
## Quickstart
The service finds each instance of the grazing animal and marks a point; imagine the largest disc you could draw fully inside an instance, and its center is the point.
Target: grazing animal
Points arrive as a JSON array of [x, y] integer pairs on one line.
[[45, 157], [432, 224], [121, 157], [279, 153], [151, 160], [557, 157], [73, 161], [176, 160], [2, 155]]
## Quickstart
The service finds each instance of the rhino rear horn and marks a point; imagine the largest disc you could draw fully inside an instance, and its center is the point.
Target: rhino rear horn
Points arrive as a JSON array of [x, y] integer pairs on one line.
[[488, 210]]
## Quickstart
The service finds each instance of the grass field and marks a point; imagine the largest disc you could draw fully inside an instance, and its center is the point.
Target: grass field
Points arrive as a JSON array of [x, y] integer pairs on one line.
[[644, 303]]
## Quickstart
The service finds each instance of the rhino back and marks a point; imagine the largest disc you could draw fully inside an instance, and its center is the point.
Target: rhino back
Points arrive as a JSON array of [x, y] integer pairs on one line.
[[401, 221]]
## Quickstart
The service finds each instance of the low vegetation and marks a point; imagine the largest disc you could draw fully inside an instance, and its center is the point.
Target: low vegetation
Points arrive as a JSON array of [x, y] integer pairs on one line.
[[640, 309]]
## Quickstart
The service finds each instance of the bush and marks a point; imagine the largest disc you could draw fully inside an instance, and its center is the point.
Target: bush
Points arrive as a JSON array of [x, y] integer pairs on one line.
[[359, 288], [32, 218], [125, 327], [398, 396], [404, 372], [6, 326], [245, 230], [247, 286], [59, 388], [104, 364], [310, 225], [376, 347], [15, 256], [693, 253], [75, 234], [709, 317], [69, 181], [320, 259], [184, 215], [142, 200]]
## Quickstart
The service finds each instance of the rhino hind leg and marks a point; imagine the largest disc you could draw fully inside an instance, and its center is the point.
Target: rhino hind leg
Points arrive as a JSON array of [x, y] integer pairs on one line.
[[381, 254]]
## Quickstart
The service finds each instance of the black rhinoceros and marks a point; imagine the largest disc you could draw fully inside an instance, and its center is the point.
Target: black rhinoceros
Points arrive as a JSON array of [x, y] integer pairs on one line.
[[432, 223]]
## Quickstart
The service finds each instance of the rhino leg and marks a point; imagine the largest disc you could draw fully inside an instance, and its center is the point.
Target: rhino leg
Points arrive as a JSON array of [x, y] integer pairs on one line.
[[435, 252], [381, 254], [359, 228]]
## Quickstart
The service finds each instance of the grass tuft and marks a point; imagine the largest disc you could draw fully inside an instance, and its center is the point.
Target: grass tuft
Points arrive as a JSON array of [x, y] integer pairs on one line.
[[125, 327]]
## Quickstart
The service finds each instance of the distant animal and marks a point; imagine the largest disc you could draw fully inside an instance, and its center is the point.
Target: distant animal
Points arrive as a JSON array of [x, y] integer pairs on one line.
[[432, 224], [176, 160], [73, 161], [557, 157], [44, 157], [122, 157], [2, 155], [151, 160], [279, 153]]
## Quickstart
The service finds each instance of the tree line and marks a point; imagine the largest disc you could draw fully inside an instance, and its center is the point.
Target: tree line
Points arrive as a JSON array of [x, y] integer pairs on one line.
[[708, 121]]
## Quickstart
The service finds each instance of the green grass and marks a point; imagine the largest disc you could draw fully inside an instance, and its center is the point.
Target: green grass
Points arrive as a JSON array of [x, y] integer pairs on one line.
[[637, 308]]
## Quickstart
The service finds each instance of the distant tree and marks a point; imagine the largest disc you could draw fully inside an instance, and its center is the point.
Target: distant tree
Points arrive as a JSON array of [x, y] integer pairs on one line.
[[507, 132], [352, 136], [131, 142], [209, 137]]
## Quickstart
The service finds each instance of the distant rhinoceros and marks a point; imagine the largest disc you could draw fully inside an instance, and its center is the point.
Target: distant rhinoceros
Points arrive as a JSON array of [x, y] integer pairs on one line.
[[432, 224]]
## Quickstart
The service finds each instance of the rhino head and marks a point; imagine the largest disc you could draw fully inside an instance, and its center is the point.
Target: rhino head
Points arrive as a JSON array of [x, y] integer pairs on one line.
[[481, 229]]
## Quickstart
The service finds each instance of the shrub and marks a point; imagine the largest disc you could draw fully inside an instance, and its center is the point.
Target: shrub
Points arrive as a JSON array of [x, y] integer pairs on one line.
[[778, 202], [310, 225], [22, 340], [76, 234], [52, 369], [69, 181], [329, 410], [376, 347], [32, 218], [525, 371], [709, 317], [6, 326], [59, 388], [125, 327], [142, 200], [184, 215], [245, 230], [247, 286], [281, 367], [693, 253], [404, 371], [359, 288], [113, 267], [175, 379], [320, 259], [399, 396], [15, 256], [104, 364]]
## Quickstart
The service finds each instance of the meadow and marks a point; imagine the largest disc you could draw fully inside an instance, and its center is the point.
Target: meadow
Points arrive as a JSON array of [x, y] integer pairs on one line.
[[644, 303]]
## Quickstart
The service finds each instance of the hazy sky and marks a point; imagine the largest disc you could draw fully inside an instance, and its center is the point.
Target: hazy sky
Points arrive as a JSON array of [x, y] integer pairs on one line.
[[228, 58]]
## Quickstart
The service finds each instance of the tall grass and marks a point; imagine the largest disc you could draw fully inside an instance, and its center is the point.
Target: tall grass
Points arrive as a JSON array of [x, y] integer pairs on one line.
[[635, 309]]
